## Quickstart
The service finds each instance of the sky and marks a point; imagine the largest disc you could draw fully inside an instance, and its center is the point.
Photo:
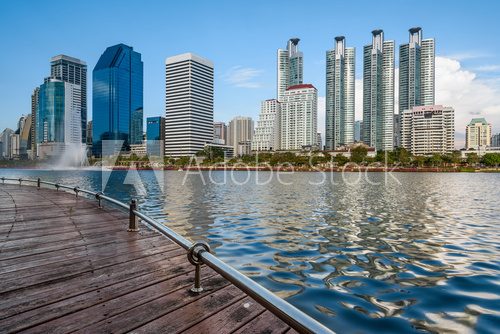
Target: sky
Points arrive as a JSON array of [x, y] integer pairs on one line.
[[241, 38]]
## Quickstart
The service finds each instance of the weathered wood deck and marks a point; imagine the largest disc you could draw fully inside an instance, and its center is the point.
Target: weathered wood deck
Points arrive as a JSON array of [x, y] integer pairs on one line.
[[66, 265]]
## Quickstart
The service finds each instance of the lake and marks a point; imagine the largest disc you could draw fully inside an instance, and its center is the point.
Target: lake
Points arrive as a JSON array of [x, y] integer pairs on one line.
[[374, 253]]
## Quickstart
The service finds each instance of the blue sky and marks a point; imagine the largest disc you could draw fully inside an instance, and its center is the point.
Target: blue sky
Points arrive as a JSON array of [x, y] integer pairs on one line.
[[240, 37]]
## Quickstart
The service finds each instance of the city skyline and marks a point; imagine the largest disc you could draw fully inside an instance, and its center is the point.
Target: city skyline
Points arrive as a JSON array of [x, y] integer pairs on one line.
[[250, 71]]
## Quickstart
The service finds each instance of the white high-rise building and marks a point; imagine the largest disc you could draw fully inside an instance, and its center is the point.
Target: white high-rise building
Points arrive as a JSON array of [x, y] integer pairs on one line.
[[265, 137], [290, 67], [72, 113], [477, 134], [189, 105], [428, 129], [378, 93], [240, 134], [339, 95], [416, 71], [298, 117]]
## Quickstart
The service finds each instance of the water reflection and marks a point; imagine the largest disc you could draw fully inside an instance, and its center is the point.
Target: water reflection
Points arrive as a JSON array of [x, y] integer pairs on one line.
[[420, 253]]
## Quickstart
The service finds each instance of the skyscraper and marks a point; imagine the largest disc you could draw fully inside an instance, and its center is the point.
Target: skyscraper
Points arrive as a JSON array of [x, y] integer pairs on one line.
[[189, 113], [358, 126], [378, 92], [155, 136], [25, 131], [298, 117], [339, 95], [240, 134], [117, 97], [74, 71], [477, 134], [34, 109], [265, 136], [428, 129], [416, 71], [58, 117], [290, 67]]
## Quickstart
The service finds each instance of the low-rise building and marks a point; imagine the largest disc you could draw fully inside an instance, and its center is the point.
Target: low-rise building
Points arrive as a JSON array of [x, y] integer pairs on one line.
[[477, 134], [427, 130], [265, 137]]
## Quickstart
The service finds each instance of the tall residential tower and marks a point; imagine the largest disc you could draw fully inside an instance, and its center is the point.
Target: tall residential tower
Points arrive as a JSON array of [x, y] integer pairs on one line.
[[189, 104], [298, 118], [378, 92], [339, 95], [416, 71], [290, 67]]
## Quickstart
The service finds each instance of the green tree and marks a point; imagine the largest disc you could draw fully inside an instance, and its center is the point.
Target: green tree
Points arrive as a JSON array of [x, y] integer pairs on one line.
[[491, 159], [403, 156], [340, 159], [472, 159], [183, 161], [358, 154], [456, 157], [419, 161], [435, 160]]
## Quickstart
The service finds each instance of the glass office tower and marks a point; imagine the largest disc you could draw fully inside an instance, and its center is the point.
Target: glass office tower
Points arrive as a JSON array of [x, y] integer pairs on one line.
[[117, 99], [50, 113], [155, 135]]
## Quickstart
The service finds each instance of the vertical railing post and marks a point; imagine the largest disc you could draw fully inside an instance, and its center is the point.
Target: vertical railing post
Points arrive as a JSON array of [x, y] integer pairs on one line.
[[194, 258], [132, 225], [38, 183], [98, 197]]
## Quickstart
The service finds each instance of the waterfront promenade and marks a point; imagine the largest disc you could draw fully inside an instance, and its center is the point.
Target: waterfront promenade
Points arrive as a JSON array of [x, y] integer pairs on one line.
[[68, 265]]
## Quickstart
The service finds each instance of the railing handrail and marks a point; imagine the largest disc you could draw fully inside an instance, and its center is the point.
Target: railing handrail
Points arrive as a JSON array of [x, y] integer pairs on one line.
[[278, 306]]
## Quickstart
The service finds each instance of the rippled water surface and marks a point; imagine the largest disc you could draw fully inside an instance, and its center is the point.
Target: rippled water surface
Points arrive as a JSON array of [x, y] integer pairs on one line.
[[410, 253]]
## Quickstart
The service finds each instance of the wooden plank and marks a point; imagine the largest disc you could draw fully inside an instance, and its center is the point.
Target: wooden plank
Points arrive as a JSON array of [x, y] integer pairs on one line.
[[229, 319], [73, 313], [143, 314], [72, 253], [265, 323], [90, 258], [76, 269], [37, 296], [190, 314]]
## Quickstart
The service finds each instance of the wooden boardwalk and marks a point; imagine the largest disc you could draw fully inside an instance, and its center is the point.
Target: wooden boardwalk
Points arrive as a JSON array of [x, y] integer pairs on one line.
[[68, 266]]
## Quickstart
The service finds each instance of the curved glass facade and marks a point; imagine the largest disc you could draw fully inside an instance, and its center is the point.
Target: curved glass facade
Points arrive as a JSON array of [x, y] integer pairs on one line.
[[117, 97], [50, 113]]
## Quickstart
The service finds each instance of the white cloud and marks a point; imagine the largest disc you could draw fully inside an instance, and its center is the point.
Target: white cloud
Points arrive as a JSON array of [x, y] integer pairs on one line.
[[243, 77], [468, 94]]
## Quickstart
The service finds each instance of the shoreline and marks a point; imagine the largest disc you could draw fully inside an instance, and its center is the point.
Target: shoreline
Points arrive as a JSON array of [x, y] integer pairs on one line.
[[281, 169]]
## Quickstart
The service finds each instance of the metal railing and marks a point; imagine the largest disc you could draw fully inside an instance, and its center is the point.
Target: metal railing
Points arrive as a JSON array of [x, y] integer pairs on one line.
[[199, 253]]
